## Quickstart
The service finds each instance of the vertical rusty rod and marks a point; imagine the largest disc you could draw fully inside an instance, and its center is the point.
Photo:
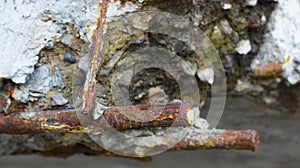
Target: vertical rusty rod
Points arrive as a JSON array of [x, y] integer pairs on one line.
[[89, 92]]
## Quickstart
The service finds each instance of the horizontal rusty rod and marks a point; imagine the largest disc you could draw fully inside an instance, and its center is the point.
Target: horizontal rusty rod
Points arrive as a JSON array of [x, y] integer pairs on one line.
[[205, 139], [66, 121], [218, 139]]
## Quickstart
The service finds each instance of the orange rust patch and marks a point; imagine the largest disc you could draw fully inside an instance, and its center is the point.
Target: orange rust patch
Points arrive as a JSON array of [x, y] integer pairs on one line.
[[186, 109], [268, 70], [287, 59], [8, 89]]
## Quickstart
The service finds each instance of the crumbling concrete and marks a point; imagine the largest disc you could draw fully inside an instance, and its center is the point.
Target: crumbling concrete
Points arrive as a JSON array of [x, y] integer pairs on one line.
[[281, 42], [39, 38]]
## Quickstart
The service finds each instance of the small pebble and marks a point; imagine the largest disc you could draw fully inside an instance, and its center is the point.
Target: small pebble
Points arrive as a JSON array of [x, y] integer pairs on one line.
[[263, 19], [157, 95], [226, 26], [84, 63], [40, 81], [251, 2], [69, 57], [243, 47], [226, 6], [189, 67], [57, 78], [67, 40], [21, 96], [206, 75]]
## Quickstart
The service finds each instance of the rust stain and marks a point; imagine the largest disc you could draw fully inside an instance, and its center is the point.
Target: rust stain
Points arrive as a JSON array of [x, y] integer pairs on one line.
[[287, 59], [8, 89], [268, 70]]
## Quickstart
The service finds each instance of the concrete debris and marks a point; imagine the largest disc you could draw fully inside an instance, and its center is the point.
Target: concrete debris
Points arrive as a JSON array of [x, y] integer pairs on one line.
[[59, 100], [67, 39], [206, 75], [201, 123], [251, 2], [243, 47], [40, 81], [189, 67], [198, 122], [226, 26], [83, 63], [69, 57], [263, 19], [21, 96], [7, 105], [157, 95], [57, 80], [226, 6], [99, 110]]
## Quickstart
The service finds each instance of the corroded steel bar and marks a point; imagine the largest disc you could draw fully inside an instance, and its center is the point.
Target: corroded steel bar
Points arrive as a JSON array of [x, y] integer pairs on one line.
[[65, 121], [214, 139], [89, 94]]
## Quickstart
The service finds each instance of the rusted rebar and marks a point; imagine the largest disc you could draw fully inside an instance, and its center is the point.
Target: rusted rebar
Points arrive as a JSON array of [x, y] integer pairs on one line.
[[213, 139], [89, 91], [220, 139], [64, 121]]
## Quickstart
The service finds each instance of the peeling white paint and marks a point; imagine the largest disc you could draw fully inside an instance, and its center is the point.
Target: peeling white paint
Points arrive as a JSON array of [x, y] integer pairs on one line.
[[283, 40], [24, 32]]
